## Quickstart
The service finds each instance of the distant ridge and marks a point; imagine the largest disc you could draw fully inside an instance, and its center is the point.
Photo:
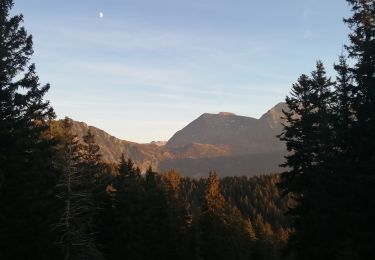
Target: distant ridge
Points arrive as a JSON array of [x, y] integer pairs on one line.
[[225, 142], [243, 135]]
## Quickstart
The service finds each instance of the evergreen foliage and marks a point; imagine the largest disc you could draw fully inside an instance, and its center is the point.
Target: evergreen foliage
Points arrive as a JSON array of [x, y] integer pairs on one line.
[[360, 159], [156, 216], [80, 166], [26, 150], [58, 200], [224, 233], [330, 136]]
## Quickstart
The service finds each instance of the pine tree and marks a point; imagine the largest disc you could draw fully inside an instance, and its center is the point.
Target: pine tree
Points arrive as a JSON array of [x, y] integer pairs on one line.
[[343, 106], [309, 139], [333, 218], [299, 160], [70, 179], [92, 171], [27, 178], [178, 217], [362, 50], [79, 164], [359, 162], [125, 237], [224, 234], [156, 217]]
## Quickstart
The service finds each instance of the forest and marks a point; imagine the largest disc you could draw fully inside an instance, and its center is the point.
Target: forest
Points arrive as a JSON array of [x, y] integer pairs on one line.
[[59, 200]]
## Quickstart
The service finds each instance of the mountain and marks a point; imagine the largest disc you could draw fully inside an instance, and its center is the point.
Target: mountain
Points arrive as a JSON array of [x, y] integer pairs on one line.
[[251, 144], [240, 134], [159, 143], [111, 147], [225, 142]]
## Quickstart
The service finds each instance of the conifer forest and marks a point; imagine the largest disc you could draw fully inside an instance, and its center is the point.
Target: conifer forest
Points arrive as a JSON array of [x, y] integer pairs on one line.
[[60, 200]]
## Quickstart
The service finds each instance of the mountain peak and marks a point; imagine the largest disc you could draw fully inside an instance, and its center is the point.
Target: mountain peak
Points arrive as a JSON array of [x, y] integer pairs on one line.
[[274, 116], [220, 114], [246, 135], [226, 114], [232, 143]]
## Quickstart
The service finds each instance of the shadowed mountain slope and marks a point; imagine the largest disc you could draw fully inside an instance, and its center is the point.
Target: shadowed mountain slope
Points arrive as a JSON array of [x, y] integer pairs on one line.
[[225, 142], [242, 135]]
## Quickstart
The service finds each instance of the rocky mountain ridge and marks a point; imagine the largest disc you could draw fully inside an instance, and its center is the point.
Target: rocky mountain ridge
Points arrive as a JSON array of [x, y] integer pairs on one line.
[[225, 142]]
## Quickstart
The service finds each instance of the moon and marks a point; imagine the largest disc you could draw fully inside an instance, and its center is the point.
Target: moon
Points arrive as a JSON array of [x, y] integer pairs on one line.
[[101, 15]]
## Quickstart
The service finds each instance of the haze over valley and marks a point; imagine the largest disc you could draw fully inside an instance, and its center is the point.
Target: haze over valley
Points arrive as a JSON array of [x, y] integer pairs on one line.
[[125, 154], [230, 144]]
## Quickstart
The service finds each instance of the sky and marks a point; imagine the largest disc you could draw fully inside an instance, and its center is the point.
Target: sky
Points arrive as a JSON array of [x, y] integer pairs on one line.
[[143, 69]]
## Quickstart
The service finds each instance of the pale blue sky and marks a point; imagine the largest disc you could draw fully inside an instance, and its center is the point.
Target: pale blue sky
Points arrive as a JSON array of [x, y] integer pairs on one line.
[[149, 67]]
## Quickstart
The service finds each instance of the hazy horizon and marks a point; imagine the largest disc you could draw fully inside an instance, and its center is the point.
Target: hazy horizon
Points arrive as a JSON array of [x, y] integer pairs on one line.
[[167, 139], [141, 70]]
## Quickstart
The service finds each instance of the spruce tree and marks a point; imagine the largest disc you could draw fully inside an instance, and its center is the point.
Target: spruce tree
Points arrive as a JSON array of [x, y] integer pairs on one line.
[[308, 136], [360, 159], [92, 171], [362, 51], [223, 233], [342, 106], [155, 217], [72, 236], [333, 218], [27, 178], [178, 217], [80, 166], [127, 209]]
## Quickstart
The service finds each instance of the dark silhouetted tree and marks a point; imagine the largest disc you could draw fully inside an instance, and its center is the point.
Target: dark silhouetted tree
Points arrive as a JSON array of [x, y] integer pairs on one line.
[[80, 166], [27, 178], [126, 196], [333, 187], [359, 161], [309, 139]]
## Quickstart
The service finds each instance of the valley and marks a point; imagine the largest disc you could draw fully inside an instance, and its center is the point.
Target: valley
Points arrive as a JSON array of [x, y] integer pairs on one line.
[[227, 143]]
